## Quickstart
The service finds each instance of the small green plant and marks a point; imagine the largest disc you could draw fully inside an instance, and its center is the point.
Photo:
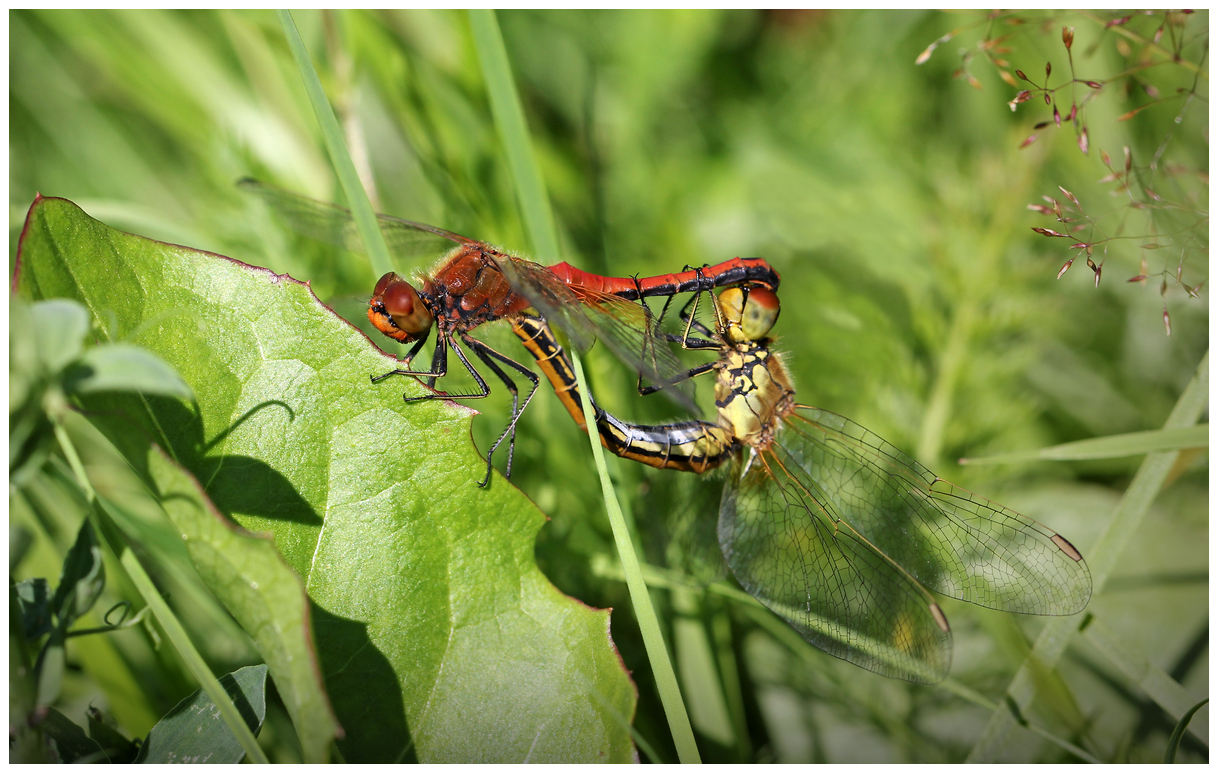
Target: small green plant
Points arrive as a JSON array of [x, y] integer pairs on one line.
[[1159, 59]]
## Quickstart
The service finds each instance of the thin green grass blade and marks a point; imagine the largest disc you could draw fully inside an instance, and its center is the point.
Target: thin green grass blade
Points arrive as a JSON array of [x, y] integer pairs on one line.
[[539, 223], [1137, 668], [194, 661], [514, 133], [1111, 447], [169, 621], [1101, 558], [649, 624], [336, 146], [1173, 743]]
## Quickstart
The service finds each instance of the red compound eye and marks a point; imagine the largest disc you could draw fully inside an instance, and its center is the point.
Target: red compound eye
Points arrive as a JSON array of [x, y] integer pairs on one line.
[[399, 299], [384, 281]]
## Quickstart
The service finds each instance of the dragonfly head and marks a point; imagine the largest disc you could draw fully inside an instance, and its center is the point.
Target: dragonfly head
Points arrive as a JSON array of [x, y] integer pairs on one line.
[[749, 313], [397, 310]]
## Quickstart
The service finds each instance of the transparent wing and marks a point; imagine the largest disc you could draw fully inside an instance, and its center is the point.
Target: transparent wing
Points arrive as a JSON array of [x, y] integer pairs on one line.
[[948, 539], [823, 578], [627, 328], [412, 243]]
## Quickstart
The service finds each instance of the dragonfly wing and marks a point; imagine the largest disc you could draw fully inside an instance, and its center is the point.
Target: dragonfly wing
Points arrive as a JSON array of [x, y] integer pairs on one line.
[[948, 539], [409, 241], [826, 580], [627, 328]]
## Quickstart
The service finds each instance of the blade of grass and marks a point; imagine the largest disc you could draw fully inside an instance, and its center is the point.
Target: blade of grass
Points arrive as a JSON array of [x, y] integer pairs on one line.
[[649, 624], [336, 146], [1111, 447], [1137, 668], [509, 122], [539, 223], [1169, 755], [168, 620], [1107, 551]]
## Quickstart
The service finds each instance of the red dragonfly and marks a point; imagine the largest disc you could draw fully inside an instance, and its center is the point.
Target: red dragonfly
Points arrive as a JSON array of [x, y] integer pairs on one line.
[[829, 526], [475, 283]]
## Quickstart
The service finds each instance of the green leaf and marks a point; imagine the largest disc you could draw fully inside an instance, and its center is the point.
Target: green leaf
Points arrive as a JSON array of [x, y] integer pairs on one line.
[[178, 524], [33, 596], [193, 731], [69, 740], [82, 580], [1111, 447], [50, 667], [437, 634], [22, 355], [125, 368], [59, 328], [261, 591], [117, 747]]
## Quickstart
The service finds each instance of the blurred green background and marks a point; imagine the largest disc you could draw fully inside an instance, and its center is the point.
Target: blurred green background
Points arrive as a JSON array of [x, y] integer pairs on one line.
[[891, 197]]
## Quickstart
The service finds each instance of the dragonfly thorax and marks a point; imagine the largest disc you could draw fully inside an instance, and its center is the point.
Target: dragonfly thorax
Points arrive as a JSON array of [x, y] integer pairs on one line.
[[753, 393]]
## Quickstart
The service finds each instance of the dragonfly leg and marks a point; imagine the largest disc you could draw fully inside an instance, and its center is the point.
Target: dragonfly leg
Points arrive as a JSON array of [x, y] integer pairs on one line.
[[439, 363], [693, 372], [685, 340], [440, 368], [489, 355]]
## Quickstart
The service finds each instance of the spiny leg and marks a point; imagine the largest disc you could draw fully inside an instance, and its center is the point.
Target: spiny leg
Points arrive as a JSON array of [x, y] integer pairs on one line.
[[414, 350], [686, 342], [489, 355]]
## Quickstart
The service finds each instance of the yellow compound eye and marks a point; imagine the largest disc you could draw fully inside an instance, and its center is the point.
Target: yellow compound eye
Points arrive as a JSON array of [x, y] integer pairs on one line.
[[761, 310], [749, 314]]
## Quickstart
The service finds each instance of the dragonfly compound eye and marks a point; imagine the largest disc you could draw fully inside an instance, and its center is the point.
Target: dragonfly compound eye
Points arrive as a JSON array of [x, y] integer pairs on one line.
[[405, 308], [384, 282], [761, 310], [749, 314]]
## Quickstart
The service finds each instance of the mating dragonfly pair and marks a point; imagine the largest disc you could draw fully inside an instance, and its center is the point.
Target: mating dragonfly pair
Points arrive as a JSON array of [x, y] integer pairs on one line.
[[829, 526]]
